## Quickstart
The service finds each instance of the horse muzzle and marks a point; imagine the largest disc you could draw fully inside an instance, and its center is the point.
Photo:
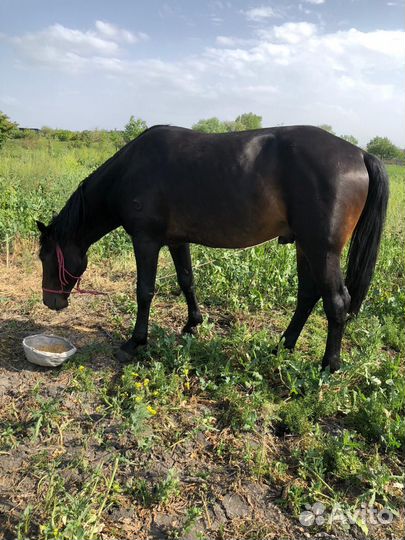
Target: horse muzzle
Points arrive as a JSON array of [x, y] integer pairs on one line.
[[55, 301]]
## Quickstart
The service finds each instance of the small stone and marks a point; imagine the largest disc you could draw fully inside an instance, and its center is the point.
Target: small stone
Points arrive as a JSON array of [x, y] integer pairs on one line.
[[235, 506]]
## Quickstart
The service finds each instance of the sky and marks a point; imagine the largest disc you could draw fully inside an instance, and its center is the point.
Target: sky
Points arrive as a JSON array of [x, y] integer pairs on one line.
[[87, 64]]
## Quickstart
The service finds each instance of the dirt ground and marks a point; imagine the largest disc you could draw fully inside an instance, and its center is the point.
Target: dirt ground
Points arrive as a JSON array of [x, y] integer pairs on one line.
[[233, 504]]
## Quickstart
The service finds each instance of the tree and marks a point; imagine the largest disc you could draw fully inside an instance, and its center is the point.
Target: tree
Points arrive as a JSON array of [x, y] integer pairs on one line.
[[384, 148], [229, 126], [241, 123], [327, 127], [350, 139], [210, 125], [63, 135], [248, 121], [117, 138], [6, 127], [47, 132], [134, 128]]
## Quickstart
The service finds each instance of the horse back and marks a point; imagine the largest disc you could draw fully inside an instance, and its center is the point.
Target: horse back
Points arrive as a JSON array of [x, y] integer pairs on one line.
[[239, 189]]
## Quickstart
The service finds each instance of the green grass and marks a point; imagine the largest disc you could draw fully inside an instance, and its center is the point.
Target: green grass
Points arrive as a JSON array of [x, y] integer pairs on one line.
[[271, 419]]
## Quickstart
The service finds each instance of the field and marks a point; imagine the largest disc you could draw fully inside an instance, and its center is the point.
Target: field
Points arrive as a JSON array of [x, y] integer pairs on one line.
[[206, 437]]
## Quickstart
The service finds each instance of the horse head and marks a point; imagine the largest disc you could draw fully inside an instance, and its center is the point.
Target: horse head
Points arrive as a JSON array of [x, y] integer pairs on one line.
[[62, 267]]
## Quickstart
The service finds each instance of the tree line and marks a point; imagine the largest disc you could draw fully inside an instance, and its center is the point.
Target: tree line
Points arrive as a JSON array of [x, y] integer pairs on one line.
[[379, 146]]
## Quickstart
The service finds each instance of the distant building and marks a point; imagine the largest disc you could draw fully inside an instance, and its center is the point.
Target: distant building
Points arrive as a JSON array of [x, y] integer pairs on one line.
[[36, 130]]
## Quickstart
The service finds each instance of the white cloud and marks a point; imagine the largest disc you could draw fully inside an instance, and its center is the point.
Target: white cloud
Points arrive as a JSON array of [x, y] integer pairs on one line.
[[316, 2], [259, 13], [288, 73], [58, 37], [292, 73], [113, 32], [226, 41], [232, 41], [69, 49], [290, 32]]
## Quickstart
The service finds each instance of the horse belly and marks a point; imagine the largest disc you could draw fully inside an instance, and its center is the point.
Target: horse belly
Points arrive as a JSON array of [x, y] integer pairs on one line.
[[229, 224]]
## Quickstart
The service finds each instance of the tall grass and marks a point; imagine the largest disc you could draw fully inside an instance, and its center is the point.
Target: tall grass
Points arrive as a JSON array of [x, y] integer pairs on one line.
[[37, 176], [36, 179]]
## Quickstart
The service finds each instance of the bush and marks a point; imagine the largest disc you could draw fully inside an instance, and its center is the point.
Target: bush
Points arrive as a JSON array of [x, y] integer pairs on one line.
[[6, 128], [383, 148]]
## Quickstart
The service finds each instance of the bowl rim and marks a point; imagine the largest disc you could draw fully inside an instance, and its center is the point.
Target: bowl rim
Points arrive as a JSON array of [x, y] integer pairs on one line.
[[72, 349]]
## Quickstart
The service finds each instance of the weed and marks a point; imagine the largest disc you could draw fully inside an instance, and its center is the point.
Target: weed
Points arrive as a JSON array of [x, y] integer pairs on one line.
[[160, 493], [45, 416]]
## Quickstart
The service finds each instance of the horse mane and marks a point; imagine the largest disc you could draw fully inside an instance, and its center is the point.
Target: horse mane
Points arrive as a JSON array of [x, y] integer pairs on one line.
[[73, 214]]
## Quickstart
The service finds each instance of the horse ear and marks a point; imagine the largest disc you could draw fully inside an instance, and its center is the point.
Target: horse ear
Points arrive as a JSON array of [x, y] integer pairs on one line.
[[41, 227]]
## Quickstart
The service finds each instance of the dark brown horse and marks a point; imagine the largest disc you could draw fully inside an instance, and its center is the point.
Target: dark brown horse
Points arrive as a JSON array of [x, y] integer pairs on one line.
[[172, 186]]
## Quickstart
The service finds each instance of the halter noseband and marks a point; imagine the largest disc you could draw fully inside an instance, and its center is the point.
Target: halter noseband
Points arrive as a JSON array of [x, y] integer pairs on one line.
[[64, 274]]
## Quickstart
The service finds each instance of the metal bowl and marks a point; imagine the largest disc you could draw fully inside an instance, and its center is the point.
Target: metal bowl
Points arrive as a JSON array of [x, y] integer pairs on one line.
[[38, 349]]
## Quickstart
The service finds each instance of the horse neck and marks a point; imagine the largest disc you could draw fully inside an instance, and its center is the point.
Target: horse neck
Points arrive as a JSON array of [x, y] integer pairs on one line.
[[96, 219]]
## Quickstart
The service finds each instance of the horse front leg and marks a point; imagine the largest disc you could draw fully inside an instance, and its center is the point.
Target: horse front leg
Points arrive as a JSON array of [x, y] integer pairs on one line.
[[146, 255]]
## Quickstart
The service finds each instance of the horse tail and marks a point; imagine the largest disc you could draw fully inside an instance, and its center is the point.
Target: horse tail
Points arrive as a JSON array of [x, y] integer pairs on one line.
[[366, 238]]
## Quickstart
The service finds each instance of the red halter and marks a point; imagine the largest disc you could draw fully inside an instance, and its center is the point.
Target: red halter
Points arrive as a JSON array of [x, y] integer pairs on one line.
[[65, 274]]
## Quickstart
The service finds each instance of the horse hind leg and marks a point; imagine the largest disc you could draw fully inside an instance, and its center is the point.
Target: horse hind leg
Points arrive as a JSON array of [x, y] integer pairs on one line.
[[308, 295], [336, 303], [182, 262]]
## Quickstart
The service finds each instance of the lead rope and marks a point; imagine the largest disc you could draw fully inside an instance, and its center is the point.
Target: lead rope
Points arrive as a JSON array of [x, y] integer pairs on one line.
[[63, 273], [63, 278]]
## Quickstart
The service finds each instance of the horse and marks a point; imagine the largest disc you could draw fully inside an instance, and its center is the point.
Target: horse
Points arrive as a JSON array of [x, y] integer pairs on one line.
[[173, 186]]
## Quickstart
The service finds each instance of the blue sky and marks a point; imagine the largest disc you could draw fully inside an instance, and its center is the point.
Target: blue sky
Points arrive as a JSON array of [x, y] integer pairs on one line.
[[91, 64]]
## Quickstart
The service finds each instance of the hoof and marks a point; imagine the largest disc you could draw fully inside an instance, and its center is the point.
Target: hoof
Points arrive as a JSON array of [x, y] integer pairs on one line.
[[281, 347], [128, 350], [190, 330], [333, 367], [123, 357], [192, 323]]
